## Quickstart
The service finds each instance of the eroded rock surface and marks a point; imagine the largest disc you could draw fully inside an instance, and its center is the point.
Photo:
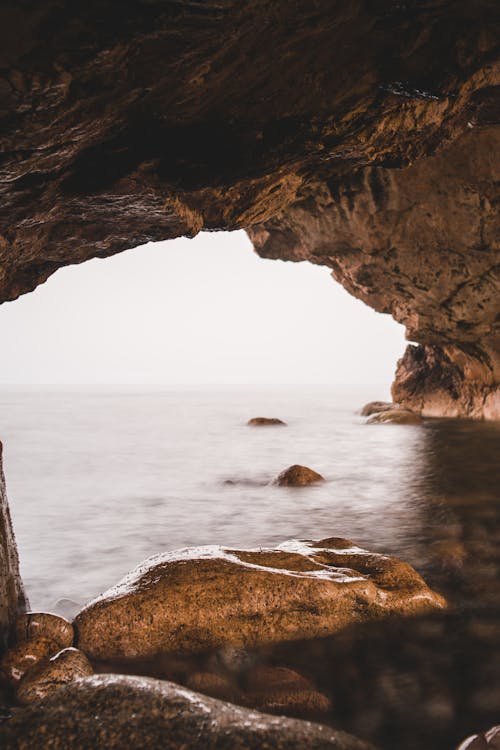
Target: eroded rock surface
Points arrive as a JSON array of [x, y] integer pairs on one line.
[[112, 712], [291, 118], [198, 599]]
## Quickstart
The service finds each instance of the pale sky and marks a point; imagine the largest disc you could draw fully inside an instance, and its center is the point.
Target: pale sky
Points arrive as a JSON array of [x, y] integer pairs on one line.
[[200, 311]]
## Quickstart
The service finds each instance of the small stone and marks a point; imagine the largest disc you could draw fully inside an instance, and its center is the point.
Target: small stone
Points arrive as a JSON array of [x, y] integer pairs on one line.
[[266, 422], [274, 679], [68, 665], [395, 416], [215, 685], [298, 476], [44, 625], [19, 659], [303, 703], [375, 407]]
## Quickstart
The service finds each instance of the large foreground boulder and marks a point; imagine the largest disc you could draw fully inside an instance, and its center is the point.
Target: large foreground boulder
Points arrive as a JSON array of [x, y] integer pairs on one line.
[[113, 712], [198, 599]]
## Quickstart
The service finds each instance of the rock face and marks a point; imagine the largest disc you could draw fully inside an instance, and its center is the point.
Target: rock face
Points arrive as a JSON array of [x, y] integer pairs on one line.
[[111, 713], [298, 476], [12, 597], [194, 600], [291, 119]]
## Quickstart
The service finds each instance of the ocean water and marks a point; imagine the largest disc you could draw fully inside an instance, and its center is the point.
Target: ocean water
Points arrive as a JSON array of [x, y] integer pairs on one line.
[[99, 479]]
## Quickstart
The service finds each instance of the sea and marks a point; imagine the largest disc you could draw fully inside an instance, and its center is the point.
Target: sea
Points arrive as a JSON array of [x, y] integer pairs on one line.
[[100, 478]]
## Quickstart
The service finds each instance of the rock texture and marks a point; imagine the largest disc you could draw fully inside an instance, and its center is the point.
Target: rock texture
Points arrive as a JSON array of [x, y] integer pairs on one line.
[[12, 597], [64, 667], [111, 713], [120, 127], [298, 476], [198, 599], [32, 625]]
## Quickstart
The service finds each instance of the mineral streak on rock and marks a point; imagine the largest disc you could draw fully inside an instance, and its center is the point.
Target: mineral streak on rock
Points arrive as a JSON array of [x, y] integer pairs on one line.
[[12, 597], [298, 476], [198, 599], [113, 712], [294, 118]]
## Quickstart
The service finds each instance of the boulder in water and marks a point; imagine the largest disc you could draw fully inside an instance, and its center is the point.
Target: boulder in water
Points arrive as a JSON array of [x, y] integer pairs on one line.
[[112, 712], [375, 407], [395, 416], [266, 422], [198, 599], [298, 476]]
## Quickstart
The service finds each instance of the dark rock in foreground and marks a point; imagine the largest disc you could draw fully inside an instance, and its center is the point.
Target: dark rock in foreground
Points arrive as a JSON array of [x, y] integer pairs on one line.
[[266, 422], [489, 740], [298, 476], [197, 599], [112, 712]]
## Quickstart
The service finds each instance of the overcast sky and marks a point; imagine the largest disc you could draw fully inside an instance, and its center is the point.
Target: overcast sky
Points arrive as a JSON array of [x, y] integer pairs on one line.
[[201, 311]]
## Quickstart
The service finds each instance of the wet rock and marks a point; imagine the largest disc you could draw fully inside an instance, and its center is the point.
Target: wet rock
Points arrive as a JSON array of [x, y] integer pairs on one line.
[[19, 659], [488, 741], [266, 422], [283, 690], [68, 665], [395, 416], [44, 625], [215, 685], [111, 712], [304, 703], [298, 476], [197, 599], [375, 407]]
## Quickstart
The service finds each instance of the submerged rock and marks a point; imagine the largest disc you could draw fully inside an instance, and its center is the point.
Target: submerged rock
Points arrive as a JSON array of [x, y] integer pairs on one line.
[[265, 422], [375, 407], [395, 416], [44, 625], [113, 712], [68, 665], [298, 476], [197, 599]]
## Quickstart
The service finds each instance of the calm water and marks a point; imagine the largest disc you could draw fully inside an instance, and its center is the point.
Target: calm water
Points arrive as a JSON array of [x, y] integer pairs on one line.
[[99, 480]]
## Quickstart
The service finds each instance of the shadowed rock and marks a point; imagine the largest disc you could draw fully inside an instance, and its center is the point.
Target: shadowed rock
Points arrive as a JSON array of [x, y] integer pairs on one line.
[[395, 416], [68, 665], [298, 476], [198, 599], [112, 713], [19, 659], [265, 422]]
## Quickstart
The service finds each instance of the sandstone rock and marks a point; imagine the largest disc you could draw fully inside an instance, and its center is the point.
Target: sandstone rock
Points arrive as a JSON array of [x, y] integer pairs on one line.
[[44, 625], [19, 659], [265, 422], [395, 416], [298, 476], [114, 712], [375, 407], [198, 599], [67, 665]]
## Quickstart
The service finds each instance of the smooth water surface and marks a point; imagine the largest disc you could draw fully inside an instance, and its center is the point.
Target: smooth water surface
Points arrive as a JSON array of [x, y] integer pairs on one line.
[[100, 479]]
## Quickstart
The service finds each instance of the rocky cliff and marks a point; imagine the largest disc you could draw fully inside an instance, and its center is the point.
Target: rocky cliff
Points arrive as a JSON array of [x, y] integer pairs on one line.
[[359, 134]]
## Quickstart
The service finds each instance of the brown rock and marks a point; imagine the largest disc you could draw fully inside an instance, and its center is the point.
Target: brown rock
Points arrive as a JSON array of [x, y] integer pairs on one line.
[[44, 625], [199, 599], [375, 407], [111, 712], [298, 476], [265, 422], [275, 679], [67, 665], [215, 685], [303, 703], [395, 416], [24, 656]]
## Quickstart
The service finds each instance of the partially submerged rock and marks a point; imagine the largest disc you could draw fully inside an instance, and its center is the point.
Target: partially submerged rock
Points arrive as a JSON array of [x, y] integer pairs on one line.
[[395, 416], [298, 476], [68, 665], [266, 422], [44, 625], [197, 599], [375, 407], [113, 712]]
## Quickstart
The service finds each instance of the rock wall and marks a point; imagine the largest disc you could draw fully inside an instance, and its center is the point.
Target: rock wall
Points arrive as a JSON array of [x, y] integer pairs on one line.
[[160, 118], [12, 597]]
